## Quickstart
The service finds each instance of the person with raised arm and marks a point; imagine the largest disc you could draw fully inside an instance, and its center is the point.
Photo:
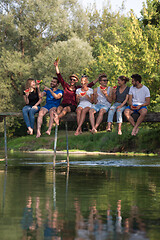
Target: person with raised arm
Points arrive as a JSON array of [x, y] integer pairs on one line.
[[32, 99], [69, 103], [102, 100], [139, 99], [53, 99], [120, 96]]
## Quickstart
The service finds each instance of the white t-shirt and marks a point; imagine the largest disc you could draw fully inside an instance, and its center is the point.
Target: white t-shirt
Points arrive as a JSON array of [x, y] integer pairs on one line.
[[139, 94], [83, 101]]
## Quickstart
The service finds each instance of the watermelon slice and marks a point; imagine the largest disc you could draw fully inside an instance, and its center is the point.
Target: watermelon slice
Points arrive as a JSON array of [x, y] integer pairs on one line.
[[114, 87], [135, 107], [83, 94], [39, 81], [26, 91], [103, 88]]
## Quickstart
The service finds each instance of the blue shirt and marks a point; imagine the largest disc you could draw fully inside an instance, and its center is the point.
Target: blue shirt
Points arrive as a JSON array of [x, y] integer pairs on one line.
[[50, 99]]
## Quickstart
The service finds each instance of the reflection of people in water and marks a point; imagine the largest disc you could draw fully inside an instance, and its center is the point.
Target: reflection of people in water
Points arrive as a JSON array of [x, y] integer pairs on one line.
[[119, 218], [135, 226], [94, 222], [28, 224], [80, 226], [52, 227]]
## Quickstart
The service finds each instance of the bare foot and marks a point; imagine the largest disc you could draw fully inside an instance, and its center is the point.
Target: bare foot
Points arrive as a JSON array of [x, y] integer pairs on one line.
[[77, 133], [56, 119], [133, 132], [38, 134], [119, 132], [136, 131], [30, 131], [109, 130], [48, 132], [93, 131]]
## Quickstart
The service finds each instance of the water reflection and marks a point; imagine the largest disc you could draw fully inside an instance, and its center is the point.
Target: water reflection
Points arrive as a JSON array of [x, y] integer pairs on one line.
[[79, 203], [94, 228]]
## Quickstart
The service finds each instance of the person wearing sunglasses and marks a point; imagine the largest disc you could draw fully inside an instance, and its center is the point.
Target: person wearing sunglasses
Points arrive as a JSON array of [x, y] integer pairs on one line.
[[102, 100], [68, 103]]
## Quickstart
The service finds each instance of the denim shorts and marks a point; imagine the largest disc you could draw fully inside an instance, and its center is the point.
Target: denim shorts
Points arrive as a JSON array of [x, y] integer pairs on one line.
[[48, 106], [98, 107]]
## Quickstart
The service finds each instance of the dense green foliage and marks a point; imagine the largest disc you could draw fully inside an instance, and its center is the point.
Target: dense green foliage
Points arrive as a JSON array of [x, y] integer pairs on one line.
[[35, 32]]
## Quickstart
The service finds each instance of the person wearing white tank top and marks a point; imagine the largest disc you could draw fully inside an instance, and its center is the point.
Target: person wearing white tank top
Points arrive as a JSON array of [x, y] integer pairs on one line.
[[102, 99]]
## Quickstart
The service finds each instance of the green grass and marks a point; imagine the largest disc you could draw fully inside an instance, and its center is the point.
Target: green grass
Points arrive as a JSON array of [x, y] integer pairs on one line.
[[146, 142]]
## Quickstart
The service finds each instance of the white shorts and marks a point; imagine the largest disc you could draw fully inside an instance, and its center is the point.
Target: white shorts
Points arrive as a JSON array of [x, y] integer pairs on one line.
[[85, 104]]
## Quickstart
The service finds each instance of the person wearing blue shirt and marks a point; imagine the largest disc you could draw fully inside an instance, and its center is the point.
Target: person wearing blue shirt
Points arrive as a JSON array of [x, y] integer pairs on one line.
[[53, 99]]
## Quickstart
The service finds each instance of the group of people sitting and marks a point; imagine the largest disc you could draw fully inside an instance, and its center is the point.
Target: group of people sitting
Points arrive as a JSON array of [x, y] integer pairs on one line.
[[83, 99]]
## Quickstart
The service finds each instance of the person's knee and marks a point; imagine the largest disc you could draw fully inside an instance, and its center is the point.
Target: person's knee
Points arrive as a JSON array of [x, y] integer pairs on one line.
[[127, 113], [78, 111], [91, 111], [101, 112], [143, 112], [66, 109], [41, 114]]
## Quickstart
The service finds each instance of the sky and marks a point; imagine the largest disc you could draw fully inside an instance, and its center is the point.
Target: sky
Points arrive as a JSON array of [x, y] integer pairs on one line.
[[136, 5]]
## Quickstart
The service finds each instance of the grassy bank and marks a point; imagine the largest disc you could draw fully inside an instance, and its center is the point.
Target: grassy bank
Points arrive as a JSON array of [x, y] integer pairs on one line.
[[147, 141]]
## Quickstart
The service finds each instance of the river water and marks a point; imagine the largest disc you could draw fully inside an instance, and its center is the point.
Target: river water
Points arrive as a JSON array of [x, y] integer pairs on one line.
[[97, 197]]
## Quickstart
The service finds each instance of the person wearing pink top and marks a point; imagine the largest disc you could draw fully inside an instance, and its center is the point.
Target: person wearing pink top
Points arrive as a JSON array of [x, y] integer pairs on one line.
[[68, 103]]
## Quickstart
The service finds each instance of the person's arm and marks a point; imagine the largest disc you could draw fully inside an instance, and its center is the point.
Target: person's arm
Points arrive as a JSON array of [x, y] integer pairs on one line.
[[60, 78], [56, 67], [55, 95], [147, 102], [91, 84], [90, 96], [36, 105], [95, 95], [77, 96], [108, 96], [113, 94], [130, 100], [26, 99], [124, 102]]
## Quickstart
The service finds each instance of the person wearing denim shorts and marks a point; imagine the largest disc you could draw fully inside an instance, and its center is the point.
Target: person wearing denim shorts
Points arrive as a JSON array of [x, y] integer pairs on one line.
[[120, 95], [139, 99], [102, 100], [53, 99]]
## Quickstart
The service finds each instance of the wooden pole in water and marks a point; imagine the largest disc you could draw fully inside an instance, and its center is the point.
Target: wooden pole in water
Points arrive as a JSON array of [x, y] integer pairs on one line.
[[55, 145], [5, 139], [67, 144], [54, 188]]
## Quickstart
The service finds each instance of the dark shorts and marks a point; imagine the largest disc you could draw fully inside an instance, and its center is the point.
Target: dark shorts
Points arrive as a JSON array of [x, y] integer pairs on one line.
[[72, 107], [136, 111]]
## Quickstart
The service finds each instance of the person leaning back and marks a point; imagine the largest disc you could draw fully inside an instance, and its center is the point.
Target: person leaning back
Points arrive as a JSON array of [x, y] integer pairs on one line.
[[139, 99]]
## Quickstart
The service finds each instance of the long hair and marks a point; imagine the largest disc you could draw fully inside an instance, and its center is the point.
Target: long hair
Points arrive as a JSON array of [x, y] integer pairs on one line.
[[28, 83]]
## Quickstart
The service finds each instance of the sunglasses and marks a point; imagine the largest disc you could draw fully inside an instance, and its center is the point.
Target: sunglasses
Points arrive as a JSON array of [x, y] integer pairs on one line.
[[73, 79], [84, 76], [104, 80]]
